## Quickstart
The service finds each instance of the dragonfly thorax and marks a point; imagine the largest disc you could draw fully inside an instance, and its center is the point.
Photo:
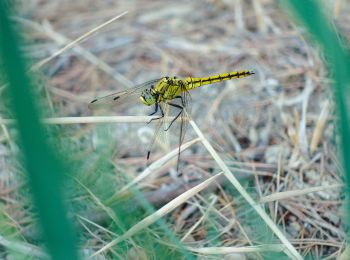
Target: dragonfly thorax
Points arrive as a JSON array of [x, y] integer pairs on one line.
[[148, 98]]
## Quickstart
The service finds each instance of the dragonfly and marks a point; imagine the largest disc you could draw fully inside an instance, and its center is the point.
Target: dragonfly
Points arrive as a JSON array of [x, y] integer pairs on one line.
[[167, 92]]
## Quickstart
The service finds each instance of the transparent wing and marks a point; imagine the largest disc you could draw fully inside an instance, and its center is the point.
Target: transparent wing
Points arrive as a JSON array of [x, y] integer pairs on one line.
[[168, 128], [121, 97], [184, 121], [159, 136]]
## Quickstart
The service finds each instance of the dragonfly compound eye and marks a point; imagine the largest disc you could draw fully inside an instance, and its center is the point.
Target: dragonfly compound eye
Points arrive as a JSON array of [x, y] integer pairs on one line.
[[147, 98]]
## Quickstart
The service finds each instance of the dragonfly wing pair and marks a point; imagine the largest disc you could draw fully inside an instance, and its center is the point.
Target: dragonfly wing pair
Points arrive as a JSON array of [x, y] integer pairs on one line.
[[121, 97], [176, 106]]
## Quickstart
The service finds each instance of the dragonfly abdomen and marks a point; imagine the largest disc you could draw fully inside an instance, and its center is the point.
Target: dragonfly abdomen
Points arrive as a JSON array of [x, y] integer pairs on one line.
[[197, 82]]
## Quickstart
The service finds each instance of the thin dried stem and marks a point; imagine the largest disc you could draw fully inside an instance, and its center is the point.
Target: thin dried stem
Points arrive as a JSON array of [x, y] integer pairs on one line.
[[75, 42]]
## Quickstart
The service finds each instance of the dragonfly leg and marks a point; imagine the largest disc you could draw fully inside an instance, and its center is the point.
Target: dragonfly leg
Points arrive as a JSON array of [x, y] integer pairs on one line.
[[176, 117], [155, 110], [182, 101], [179, 98], [161, 113]]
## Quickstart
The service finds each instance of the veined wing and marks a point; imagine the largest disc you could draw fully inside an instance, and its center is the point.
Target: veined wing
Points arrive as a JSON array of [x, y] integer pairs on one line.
[[184, 117], [121, 97], [177, 109]]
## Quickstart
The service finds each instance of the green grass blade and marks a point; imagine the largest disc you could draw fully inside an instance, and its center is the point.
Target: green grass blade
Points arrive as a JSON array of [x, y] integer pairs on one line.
[[337, 57], [44, 170]]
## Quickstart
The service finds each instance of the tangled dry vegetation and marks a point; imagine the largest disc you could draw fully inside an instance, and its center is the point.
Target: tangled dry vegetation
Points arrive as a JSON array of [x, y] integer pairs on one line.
[[275, 131]]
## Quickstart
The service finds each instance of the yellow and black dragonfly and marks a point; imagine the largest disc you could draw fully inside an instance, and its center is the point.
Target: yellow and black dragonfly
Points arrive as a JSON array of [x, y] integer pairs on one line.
[[164, 93]]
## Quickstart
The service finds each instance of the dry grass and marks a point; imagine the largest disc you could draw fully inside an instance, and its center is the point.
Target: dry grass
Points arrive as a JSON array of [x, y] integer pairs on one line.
[[274, 132]]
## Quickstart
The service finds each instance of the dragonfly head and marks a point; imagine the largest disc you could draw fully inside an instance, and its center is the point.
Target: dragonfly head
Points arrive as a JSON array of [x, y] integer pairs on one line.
[[148, 97]]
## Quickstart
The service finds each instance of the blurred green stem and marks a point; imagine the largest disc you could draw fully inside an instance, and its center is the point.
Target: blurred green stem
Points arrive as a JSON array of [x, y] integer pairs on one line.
[[338, 62], [45, 171]]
